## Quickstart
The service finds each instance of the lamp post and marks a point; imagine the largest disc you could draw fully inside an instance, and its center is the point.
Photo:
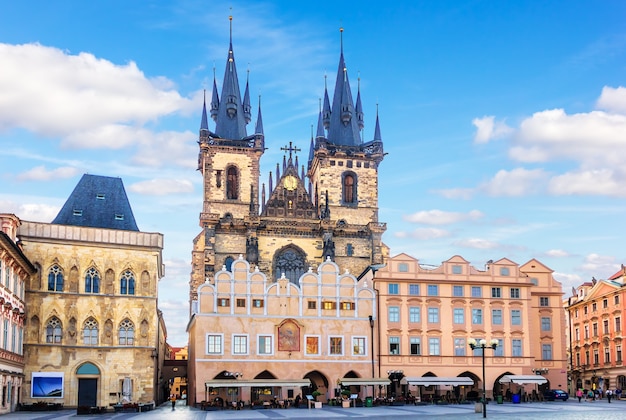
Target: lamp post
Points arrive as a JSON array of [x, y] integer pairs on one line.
[[482, 344], [371, 318]]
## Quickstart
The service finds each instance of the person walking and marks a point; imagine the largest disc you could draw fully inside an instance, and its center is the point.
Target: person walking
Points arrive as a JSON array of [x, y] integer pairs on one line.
[[579, 394], [609, 394], [173, 400]]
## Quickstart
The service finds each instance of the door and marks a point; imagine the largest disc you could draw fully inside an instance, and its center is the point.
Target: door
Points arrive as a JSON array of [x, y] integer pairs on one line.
[[88, 392]]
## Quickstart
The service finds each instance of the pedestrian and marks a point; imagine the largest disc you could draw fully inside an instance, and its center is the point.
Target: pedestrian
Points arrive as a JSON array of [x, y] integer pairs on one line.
[[173, 400], [609, 394], [579, 394]]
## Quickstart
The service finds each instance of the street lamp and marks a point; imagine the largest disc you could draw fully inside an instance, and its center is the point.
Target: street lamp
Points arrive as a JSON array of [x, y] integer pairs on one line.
[[371, 318], [482, 344]]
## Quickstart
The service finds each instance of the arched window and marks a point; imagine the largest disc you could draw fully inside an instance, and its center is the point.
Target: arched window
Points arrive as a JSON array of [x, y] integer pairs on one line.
[[127, 283], [53, 330], [92, 281], [90, 332], [349, 188], [232, 183], [127, 333], [228, 263], [55, 279], [291, 262]]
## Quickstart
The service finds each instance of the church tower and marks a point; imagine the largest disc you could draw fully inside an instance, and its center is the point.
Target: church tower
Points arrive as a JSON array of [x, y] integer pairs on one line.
[[296, 224], [229, 163]]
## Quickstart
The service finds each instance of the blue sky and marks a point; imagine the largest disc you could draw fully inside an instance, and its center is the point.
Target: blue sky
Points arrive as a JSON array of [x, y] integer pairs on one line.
[[504, 121]]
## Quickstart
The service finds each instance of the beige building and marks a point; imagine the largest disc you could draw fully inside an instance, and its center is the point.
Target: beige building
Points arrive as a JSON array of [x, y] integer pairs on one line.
[[254, 339], [428, 315], [595, 314], [94, 335], [15, 269]]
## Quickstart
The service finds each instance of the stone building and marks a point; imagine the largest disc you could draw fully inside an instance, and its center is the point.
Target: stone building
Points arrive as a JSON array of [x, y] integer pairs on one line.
[[595, 310], [94, 335], [428, 315], [15, 269], [318, 212]]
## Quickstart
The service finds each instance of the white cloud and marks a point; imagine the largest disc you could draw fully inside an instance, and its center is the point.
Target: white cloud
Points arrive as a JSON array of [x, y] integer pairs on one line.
[[517, 182], [557, 253], [440, 217], [613, 100], [168, 147], [53, 93], [594, 142], [600, 266], [40, 173], [162, 187], [30, 211], [593, 182], [487, 128], [424, 234], [477, 243], [594, 139]]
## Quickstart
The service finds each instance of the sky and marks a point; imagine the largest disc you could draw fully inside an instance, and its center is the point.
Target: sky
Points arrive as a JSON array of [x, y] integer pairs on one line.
[[504, 122]]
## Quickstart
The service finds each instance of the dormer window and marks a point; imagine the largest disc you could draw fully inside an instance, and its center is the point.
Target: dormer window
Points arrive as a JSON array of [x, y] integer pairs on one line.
[[119, 217], [99, 196], [77, 212]]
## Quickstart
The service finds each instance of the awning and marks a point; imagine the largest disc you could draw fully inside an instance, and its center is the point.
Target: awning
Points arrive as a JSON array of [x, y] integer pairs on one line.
[[364, 381], [436, 380], [237, 383], [523, 379]]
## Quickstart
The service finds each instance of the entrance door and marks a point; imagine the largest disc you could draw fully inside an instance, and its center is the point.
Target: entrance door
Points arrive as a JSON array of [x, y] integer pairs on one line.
[[87, 392]]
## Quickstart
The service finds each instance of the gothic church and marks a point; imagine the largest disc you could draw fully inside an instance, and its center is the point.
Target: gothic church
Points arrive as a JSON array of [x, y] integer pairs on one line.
[[327, 208]]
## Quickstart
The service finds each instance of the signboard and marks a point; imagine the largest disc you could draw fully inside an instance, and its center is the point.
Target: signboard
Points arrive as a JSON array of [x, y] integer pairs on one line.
[[46, 385]]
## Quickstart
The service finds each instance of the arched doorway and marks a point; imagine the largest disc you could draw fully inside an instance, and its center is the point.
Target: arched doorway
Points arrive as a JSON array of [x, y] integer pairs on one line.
[[319, 383], [88, 375]]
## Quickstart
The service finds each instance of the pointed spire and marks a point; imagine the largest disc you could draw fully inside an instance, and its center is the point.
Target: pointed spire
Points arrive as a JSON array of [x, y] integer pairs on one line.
[[326, 111], [377, 136], [259, 120], [320, 121], [263, 194], [359, 106], [246, 100], [277, 172], [295, 165], [285, 162], [302, 175], [204, 123], [343, 128], [215, 100], [311, 152], [271, 183], [230, 119]]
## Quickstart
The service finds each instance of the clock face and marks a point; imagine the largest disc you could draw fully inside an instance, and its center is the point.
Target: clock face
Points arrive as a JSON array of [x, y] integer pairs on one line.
[[290, 182]]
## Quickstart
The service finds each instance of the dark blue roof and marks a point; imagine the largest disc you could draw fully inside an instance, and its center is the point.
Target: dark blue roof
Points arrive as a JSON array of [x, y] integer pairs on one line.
[[98, 201]]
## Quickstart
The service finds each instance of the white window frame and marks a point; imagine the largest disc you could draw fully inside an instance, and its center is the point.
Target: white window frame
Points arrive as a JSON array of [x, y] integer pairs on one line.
[[258, 344], [220, 338], [342, 351], [355, 344], [235, 344]]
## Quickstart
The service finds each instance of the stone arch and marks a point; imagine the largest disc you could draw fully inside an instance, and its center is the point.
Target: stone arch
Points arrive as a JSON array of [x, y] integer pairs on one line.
[[291, 261]]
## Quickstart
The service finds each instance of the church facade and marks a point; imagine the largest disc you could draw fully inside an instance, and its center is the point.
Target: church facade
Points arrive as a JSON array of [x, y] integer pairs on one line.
[[286, 257]]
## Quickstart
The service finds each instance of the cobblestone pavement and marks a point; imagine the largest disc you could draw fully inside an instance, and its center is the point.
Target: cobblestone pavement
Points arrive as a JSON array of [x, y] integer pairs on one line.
[[570, 410]]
